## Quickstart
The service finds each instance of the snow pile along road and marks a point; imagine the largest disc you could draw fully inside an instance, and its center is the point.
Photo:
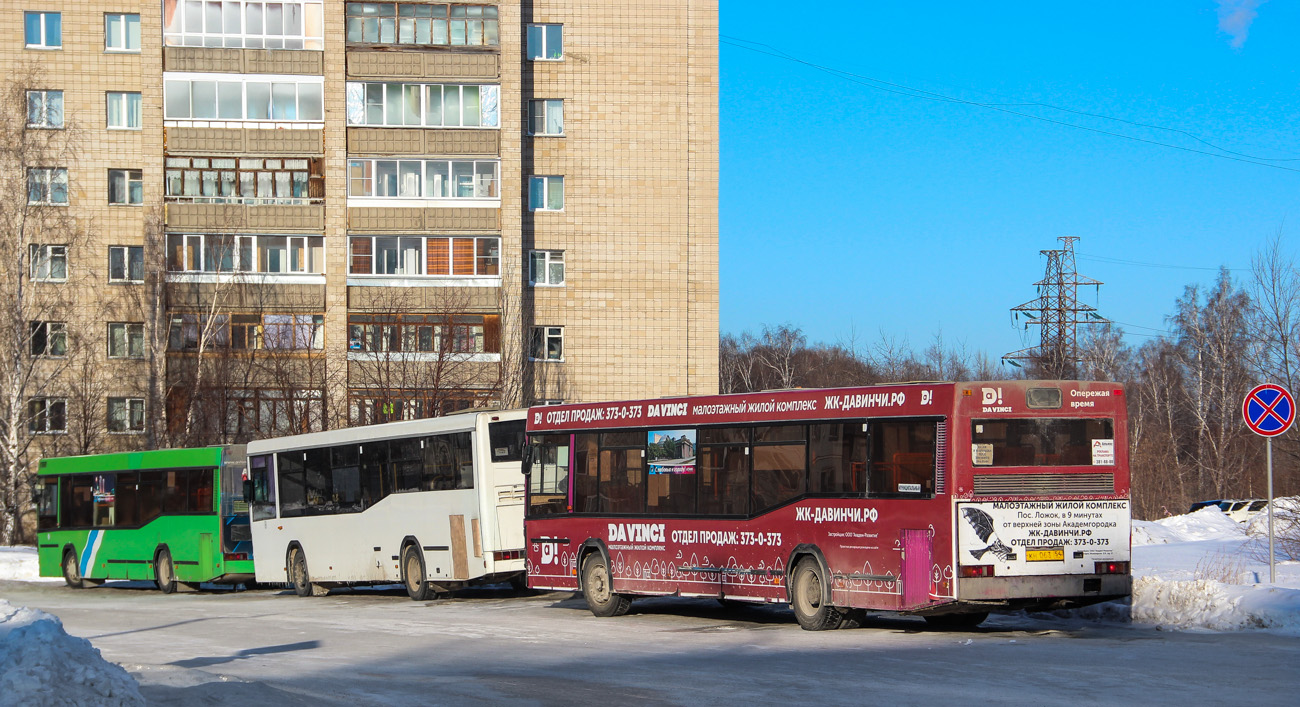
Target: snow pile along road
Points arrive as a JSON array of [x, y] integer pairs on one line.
[[1202, 570], [40, 664], [20, 564]]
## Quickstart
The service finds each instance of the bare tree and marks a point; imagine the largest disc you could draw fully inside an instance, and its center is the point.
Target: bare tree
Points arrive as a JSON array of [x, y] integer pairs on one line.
[[38, 143]]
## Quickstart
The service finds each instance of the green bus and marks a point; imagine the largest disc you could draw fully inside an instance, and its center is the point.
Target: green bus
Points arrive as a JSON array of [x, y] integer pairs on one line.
[[173, 516]]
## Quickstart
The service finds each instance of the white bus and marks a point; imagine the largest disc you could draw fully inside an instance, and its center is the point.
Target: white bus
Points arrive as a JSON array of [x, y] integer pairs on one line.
[[435, 504]]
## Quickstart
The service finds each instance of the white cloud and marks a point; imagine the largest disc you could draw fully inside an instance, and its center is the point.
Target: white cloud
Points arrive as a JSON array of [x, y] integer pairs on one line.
[[1235, 18]]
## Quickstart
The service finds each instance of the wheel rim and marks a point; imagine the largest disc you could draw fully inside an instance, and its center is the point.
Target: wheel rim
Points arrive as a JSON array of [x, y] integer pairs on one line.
[[810, 592], [598, 584], [70, 568], [164, 570], [299, 569], [413, 574]]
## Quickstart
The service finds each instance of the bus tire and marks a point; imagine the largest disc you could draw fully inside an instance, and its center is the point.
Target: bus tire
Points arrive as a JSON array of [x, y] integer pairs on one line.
[[164, 571], [809, 598], [519, 582], [598, 589], [957, 622], [72, 570], [298, 576], [417, 585]]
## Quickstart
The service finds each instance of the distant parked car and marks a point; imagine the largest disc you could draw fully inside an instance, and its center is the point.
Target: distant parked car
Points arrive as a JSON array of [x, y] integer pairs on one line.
[[1240, 510]]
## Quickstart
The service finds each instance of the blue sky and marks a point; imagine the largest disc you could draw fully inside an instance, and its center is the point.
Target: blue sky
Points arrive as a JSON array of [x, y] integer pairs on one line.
[[847, 210]]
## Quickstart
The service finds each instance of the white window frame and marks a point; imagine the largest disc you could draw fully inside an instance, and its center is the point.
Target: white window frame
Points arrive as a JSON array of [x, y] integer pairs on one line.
[[542, 336], [545, 260], [43, 29], [541, 118], [46, 403], [130, 178], [412, 182], [491, 243], [42, 104], [388, 30], [48, 178], [43, 259], [54, 331], [123, 41], [257, 250], [130, 408], [129, 109], [361, 97], [245, 180], [548, 183], [308, 92], [131, 331], [125, 251], [538, 49], [184, 31]]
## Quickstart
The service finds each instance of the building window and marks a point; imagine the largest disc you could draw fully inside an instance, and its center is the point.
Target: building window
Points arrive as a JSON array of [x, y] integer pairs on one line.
[[47, 415], [125, 340], [371, 407], [418, 255], [546, 267], [546, 116], [126, 263], [245, 254], [47, 185], [425, 333], [246, 180], [45, 109], [44, 30], [545, 42], [125, 186], [423, 105], [247, 332], [126, 414], [123, 110], [121, 33], [49, 262], [49, 339], [431, 25], [548, 343], [423, 179], [546, 193], [248, 24], [269, 98]]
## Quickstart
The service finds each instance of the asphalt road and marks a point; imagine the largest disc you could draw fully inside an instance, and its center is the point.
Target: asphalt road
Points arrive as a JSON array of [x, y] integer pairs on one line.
[[492, 645]]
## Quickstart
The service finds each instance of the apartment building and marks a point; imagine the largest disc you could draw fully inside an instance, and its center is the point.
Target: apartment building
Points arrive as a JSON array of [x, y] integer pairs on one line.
[[280, 216]]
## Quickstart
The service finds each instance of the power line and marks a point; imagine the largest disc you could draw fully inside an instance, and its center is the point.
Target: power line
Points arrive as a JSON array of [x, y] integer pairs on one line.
[[1121, 261], [904, 90]]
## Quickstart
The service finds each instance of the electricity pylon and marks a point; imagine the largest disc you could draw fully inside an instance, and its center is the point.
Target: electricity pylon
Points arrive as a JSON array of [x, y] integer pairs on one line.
[[1058, 314]]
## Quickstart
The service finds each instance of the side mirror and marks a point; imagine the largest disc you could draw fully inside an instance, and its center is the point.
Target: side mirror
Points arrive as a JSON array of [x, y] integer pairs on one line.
[[526, 462]]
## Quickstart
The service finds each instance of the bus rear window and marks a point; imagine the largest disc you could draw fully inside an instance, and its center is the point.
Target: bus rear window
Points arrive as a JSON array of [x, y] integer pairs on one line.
[[506, 440], [1042, 442]]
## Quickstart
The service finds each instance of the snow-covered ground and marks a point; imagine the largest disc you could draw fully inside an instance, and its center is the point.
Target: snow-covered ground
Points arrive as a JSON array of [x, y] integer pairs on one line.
[[1204, 571], [19, 564]]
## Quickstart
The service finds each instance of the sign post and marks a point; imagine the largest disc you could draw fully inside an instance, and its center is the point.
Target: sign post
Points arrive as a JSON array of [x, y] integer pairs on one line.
[[1269, 411]]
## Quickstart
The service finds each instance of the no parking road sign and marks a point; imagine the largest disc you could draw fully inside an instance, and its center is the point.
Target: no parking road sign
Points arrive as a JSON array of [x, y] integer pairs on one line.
[[1269, 410]]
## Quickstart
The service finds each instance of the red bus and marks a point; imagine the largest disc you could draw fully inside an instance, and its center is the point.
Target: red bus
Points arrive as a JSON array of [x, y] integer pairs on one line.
[[943, 500]]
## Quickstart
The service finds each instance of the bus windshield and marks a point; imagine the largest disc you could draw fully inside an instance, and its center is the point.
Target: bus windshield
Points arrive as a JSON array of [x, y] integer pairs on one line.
[[1042, 441]]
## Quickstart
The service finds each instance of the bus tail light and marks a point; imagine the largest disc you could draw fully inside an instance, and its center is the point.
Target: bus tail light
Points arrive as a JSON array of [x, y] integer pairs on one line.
[[1112, 568], [977, 570], [508, 555], [233, 556]]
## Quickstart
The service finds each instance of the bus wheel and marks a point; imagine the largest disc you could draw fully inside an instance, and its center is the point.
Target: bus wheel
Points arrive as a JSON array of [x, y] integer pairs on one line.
[[599, 590], [298, 576], [957, 622], [808, 590], [519, 582], [417, 587], [165, 572], [71, 571]]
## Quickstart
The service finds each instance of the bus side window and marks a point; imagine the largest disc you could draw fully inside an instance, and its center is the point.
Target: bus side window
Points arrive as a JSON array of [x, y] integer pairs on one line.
[[837, 455], [47, 506], [261, 503], [902, 458], [548, 484], [200, 490]]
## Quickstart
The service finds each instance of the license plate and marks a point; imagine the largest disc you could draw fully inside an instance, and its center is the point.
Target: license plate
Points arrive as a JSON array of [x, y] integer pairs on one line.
[[1045, 554]]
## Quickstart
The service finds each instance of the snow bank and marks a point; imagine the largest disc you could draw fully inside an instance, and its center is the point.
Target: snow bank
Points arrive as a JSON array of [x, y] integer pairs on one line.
[[1208, 523], [40, 664], [1205, 603], [20, 564]]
